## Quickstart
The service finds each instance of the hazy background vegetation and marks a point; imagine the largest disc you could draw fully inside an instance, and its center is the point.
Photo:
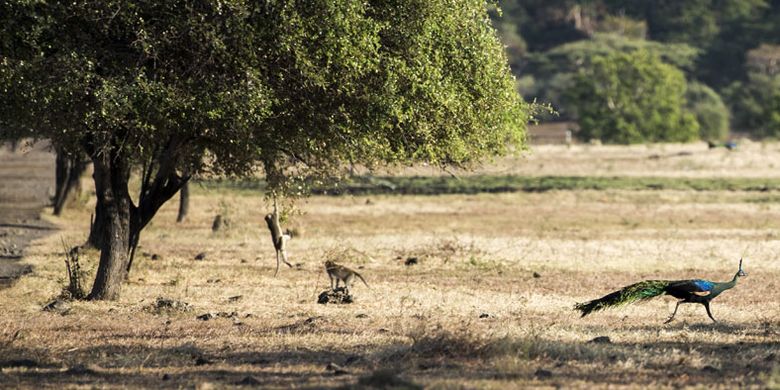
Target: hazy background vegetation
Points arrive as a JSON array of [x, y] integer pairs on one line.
[[629, 71]]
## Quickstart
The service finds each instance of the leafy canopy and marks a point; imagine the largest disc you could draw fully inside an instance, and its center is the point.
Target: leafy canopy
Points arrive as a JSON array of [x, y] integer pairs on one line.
[[551, 74], [632, 98], [756, 104], [230, 83]]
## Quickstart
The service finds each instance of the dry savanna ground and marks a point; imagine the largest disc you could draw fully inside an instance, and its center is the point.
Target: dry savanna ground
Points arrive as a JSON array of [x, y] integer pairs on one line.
[[696, 160], [488, 304]]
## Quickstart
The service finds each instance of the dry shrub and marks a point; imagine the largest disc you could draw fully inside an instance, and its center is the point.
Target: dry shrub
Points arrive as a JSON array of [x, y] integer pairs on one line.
[[75, 287]]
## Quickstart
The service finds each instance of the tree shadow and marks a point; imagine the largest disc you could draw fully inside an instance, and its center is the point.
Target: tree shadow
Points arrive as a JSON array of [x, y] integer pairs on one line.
[[430, 358], [183, 366]]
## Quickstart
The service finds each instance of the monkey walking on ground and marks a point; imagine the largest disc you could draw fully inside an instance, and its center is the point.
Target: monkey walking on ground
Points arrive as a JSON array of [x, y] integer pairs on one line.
[[338, 273], [279, 239]]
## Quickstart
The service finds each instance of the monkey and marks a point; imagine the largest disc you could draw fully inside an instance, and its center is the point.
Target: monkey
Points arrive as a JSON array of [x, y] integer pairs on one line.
[[279, 239], [338, 273]]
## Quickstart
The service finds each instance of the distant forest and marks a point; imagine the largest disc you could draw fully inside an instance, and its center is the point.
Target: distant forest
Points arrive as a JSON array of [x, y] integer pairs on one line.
[[612, 65]]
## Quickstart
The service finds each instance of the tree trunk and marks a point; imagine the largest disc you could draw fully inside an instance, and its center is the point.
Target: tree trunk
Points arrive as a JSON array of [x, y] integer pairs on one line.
[[97, 227], [184, 202], [60, 177], [111, 179], [118, 222], [68, 173]]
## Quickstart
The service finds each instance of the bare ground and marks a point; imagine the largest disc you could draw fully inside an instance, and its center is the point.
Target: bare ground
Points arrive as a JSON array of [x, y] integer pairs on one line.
[[488, 304], [26, 179]]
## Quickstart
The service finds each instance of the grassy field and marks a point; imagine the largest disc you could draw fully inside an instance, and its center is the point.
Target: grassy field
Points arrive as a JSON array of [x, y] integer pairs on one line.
[[488, 305], [442, 185]]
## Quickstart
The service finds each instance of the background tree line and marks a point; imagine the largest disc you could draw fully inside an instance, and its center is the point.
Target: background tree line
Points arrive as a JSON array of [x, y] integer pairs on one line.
[[686, 69]]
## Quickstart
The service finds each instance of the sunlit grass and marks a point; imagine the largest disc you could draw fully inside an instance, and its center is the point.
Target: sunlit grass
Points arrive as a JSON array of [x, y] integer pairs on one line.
[[501, 260], [521, 260]]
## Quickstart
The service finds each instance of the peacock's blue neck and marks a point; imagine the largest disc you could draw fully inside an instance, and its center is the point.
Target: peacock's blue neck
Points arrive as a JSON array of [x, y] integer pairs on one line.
[[723, 286]]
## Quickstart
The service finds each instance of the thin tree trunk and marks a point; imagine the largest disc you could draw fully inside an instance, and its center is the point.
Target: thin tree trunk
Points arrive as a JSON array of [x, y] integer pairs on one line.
[[60, 177], [184, 202], [68, 173], [111, 178]]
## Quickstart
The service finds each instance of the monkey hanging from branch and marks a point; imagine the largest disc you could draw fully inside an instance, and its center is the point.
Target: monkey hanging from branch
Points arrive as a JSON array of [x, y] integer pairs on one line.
[[279, 239]]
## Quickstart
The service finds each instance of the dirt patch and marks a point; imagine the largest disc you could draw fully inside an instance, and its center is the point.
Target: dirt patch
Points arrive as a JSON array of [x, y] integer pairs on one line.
[[26, 180]]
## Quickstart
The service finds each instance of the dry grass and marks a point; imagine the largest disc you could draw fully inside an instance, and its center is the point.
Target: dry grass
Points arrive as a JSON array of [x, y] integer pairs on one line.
[[477, 255], [748, 160]]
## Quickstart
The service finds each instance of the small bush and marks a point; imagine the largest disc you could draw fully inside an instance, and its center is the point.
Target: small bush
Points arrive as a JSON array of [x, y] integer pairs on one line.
[[74, 289]]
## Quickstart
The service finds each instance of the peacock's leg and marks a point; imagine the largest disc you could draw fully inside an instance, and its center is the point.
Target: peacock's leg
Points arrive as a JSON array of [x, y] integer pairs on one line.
[[673, 313], [707, 306]]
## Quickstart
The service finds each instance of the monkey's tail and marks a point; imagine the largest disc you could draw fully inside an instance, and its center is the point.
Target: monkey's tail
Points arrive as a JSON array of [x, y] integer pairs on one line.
[[361, 278]]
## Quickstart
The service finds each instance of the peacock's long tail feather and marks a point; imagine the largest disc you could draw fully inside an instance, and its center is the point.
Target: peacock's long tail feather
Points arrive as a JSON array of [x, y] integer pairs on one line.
[[636, 292]]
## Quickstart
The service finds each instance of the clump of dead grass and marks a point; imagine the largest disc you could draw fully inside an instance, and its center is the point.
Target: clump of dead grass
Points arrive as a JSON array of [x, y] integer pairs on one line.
[[74, 290]]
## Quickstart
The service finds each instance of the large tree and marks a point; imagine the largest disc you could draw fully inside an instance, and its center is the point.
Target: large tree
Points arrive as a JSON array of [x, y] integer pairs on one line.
[[299, 88]]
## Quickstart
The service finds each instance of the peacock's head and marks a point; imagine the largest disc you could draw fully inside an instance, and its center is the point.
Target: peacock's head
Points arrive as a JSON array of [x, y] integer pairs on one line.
[[741, 272]]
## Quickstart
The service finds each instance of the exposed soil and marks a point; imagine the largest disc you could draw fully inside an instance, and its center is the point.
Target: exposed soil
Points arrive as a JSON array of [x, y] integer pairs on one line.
[[26, 180]]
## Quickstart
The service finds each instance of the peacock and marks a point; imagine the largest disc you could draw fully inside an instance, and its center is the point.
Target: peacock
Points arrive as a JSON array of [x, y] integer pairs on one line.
[[687, 291]]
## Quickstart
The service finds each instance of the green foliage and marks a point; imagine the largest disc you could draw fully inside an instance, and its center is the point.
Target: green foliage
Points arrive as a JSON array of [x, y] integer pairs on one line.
[[542, 23], [632, 98], [221, 86], [516, 46], [232, 83], [687, 21], [623, 26], [561, 35], [572, 56], [554, 71], [711, 113], [119, 78], [475, 184], [756, 104], [695, 22]]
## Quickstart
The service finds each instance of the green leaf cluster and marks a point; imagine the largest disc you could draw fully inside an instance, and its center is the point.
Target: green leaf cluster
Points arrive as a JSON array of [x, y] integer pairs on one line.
[[756, 104], [710, 111], [224, 85], [632, 98], [551, 74]]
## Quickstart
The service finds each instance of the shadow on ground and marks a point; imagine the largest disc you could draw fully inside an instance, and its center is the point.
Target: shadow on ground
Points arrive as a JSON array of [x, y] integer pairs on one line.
[[429, 359]]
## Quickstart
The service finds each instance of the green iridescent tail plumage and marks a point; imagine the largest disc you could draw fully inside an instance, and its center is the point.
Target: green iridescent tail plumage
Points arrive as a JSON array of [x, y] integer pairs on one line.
[[636, 292]]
